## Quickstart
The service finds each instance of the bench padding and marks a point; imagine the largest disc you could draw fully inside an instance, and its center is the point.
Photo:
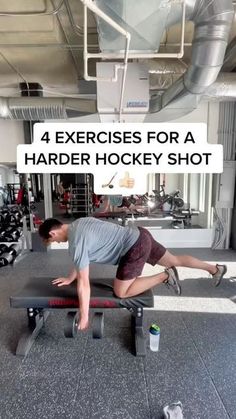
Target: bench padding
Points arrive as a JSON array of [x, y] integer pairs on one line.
[[41, 293]]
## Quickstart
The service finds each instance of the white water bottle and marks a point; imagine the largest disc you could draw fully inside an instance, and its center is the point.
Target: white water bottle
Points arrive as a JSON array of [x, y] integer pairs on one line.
[[154, 333]]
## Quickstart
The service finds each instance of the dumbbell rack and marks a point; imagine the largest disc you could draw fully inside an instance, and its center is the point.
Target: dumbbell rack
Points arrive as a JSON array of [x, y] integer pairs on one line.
[[11, 231]]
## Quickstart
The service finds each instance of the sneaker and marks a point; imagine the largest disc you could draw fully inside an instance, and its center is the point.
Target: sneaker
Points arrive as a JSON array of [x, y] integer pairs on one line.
[[173, 280], [217, 277]]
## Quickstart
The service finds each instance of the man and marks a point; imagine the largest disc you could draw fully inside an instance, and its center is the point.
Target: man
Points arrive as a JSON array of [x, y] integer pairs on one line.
[[92, 240]]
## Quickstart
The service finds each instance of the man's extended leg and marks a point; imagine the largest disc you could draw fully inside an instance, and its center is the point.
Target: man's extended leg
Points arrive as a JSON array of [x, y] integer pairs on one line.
[[135, 286], [186, 261], [148, 250], [217, 271]]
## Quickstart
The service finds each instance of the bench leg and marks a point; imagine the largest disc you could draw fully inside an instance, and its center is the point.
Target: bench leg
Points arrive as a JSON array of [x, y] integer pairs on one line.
[[138, 332], [36, 320]]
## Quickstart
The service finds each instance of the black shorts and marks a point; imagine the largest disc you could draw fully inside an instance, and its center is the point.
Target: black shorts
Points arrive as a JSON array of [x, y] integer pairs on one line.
[[144, 250]]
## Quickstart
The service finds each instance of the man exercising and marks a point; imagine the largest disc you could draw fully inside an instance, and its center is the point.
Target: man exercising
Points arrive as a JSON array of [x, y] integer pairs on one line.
[[91, 240]]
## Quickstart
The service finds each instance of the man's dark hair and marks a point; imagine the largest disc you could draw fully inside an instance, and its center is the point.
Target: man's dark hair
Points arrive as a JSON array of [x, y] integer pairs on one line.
[[47, 226]]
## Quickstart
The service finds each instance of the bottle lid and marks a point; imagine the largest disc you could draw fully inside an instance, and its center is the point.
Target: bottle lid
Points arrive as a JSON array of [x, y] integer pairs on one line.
[[154, 329]]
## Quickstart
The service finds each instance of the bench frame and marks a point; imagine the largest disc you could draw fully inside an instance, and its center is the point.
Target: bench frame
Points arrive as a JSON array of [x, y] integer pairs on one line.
[[36, 320], [39, 297], [38, 316]]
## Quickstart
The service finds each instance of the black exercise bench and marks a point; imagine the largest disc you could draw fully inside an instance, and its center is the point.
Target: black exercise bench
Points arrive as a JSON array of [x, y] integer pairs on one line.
[[39, 296]]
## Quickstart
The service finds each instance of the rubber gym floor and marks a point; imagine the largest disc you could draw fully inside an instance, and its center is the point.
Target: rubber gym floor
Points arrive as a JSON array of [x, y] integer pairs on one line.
[[85, 378]]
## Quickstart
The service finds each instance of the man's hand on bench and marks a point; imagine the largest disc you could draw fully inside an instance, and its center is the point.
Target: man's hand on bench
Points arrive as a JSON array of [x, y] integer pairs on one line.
[[62, 281], [66, 281]]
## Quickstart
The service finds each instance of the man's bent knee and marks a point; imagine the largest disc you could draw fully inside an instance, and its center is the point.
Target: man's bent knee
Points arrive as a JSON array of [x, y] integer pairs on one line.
[[121, 287], [120, 293]]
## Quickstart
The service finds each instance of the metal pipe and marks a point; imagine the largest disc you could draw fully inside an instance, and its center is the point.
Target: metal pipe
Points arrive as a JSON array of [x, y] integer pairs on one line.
[[212, 26], [135, 55], [75, 46], [230, 56], [224, 88], [31, 108], [124, 76], [14, 107], [182, 31]]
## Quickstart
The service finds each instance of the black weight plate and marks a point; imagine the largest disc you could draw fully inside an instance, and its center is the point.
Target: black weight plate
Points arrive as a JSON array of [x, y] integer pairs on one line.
[[8, 257], [3, 262], [70, 329], [98, 325], [9, 229], [8, 238], [5, 259], [3, 248], [8, 218], [14, 235], [15, 249]]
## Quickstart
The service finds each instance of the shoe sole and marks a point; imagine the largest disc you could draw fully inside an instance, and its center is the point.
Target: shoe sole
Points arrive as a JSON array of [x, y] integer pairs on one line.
[[178, 287], [220, 279]]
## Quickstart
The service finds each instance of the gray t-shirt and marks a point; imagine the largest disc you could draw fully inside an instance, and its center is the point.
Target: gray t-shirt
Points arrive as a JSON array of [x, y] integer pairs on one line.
[[92, 240]]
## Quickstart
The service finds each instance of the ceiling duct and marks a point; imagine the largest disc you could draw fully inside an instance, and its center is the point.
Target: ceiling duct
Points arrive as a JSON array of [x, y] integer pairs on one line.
[[212, 19], [44, 108], [212, 26], [33, 113], [163, 73], [230, 57], [224, 88], [145, 22]]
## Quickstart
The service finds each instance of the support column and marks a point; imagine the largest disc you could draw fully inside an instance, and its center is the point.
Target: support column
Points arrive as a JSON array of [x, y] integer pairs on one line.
[[47, 189]]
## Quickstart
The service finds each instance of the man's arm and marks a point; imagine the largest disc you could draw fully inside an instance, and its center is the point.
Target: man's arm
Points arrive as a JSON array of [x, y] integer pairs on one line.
[[83, 289], [73, 275]]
